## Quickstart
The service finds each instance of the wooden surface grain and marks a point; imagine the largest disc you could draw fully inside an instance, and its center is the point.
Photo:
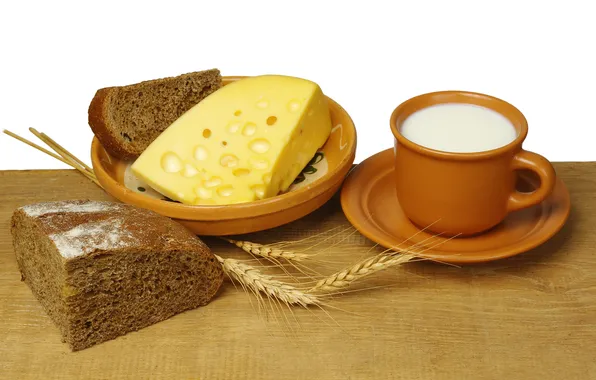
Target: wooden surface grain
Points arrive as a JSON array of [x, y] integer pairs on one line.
[[532, 316]]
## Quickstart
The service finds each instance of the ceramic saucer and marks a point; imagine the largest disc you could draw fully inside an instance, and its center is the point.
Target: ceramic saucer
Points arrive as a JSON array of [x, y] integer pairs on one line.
[[369, 202]]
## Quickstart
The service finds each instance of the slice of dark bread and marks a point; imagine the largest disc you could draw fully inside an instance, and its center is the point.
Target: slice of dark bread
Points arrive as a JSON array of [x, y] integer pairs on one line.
[[126, 119], [103, 269]]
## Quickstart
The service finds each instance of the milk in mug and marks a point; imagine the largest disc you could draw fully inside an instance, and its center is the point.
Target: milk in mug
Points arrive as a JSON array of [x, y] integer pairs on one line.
[[458, 128]]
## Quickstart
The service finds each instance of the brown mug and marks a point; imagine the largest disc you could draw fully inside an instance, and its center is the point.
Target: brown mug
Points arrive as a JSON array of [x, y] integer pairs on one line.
[[464, 193]]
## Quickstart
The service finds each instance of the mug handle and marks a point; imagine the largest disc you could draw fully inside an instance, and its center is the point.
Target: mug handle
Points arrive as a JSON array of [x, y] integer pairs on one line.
[[545, 171]]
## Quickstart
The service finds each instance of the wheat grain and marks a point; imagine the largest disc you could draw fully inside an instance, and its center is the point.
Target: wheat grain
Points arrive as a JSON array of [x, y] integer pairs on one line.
[[260, 283], [267, 251], [362, 269]]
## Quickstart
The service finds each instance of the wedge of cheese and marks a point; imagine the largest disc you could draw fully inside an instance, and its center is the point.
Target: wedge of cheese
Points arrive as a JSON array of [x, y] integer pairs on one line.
[[247, 141]]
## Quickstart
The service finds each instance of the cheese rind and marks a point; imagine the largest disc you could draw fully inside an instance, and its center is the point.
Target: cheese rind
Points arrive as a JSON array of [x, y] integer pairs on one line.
[[247, 141]]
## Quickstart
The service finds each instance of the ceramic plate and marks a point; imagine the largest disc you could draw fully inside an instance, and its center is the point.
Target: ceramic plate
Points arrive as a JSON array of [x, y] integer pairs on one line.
[[370, 203], [317, 183]]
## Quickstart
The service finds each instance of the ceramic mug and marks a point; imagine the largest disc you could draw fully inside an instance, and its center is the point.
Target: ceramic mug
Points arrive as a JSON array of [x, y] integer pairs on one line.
[[453, 193]]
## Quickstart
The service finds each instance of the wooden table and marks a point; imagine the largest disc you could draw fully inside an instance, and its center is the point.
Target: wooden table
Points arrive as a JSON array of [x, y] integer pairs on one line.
[[529, 317]]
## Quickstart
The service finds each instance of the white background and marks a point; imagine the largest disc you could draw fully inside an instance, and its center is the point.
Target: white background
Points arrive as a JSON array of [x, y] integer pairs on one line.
[[367, 55]]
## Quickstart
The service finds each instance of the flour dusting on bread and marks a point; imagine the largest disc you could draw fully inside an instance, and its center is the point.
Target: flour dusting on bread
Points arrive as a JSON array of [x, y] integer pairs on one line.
[[103, 235], [39, 209]]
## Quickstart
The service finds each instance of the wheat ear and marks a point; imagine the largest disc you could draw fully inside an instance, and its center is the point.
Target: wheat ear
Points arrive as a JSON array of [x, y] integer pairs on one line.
[[362, 269], [267, 251], [258, 282]]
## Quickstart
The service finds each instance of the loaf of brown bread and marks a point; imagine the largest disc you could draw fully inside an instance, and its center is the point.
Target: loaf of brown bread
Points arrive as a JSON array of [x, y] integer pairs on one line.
[[103, 269], [126, 119]]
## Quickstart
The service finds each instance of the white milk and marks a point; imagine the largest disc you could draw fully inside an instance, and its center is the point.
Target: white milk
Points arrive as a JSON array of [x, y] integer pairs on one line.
[[459, 128]]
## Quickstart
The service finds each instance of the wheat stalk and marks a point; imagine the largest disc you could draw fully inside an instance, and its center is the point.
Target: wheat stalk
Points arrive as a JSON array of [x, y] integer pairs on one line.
[[267, 251], [360, 270], [256, 281], [63, 155], [260, 283]]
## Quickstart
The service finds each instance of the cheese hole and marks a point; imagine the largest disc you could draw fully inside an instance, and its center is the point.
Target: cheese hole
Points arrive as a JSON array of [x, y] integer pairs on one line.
[[241, 172], [225, 191], [237, 113], [228, 160], [224, 143], [206, 133], [171, 163], [189, 171], [259, 191], [271, 120], [293, 105], [201, 153], [249, 129], [262, 103], [267, 178], [204, 193], [259, 146], [259, 164], [233, 127], [212, 182]]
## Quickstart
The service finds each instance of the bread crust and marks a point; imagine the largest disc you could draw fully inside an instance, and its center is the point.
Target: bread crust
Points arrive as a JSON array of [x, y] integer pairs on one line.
[[98, 116], [98, 113]]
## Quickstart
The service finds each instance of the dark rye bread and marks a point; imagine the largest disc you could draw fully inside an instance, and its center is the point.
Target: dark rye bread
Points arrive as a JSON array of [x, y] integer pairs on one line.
[[103, 269], [126, 119]]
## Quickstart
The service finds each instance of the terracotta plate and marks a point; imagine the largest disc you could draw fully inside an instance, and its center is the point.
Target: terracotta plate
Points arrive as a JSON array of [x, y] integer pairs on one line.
[[317, 183], [368, 199]]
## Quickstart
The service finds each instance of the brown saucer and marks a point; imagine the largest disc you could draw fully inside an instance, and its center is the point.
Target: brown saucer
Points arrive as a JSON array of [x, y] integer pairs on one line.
[[369, 202]]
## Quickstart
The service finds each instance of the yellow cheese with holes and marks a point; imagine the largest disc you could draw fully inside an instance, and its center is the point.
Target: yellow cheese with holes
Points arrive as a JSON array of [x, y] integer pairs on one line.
[[248, 140]]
